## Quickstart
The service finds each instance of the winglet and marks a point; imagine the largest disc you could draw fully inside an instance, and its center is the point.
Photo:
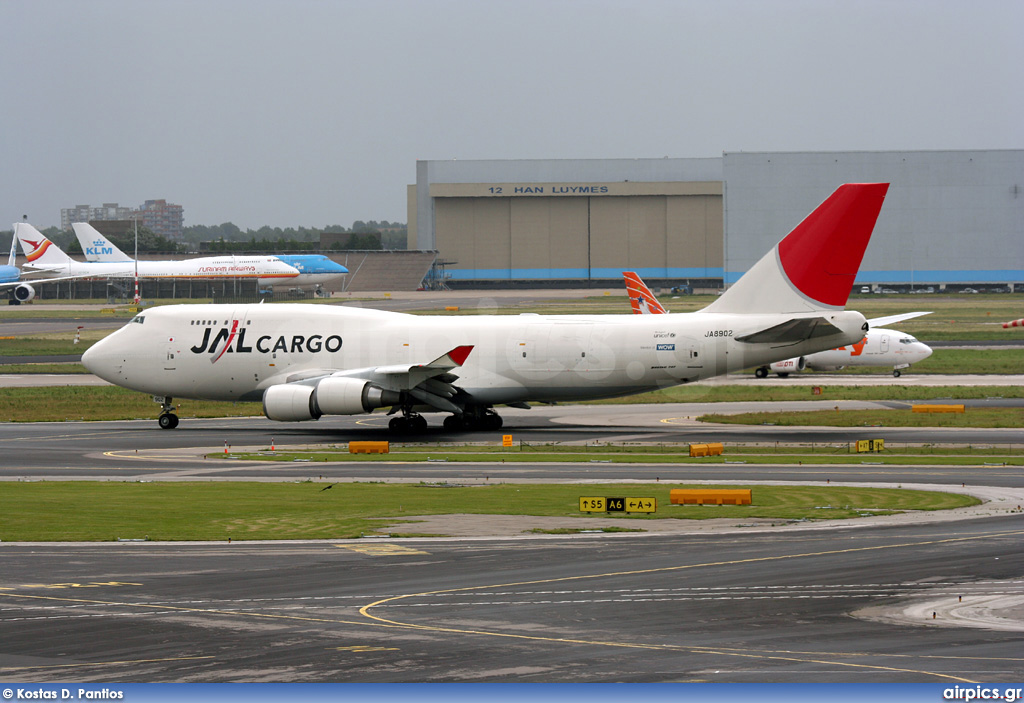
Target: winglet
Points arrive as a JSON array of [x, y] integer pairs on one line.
[[456, 357]]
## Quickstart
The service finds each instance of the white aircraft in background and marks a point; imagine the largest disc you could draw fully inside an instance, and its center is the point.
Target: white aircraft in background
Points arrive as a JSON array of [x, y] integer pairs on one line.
[[10, 278], [314, 270], [879, 347], [20, 289], [47, 260], [306, 361]]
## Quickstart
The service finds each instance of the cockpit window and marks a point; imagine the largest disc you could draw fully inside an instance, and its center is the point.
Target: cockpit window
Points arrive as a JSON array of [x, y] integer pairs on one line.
[[138, 319], [907, 340]]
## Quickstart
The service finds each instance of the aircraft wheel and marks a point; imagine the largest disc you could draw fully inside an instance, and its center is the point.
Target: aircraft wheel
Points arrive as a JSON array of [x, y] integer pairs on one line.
[[453, 423], [491, 421], [399, 425], [761, 372], [896, 373], [783, 375], [418, 423], [168, 421]]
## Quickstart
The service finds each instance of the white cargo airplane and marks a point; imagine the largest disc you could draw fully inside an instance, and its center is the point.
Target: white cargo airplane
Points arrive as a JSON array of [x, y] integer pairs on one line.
[[314, 269], [44, 258], [879, 347], [306, 361]]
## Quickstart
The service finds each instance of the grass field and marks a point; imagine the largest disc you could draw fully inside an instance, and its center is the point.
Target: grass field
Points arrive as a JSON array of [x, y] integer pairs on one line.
[[94, 511], [973, 417], [653, 455], [64, 403]]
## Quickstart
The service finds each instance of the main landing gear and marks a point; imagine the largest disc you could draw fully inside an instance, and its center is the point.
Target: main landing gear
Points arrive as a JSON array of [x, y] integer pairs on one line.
[[471, 420], [167, 420], [410, 423]]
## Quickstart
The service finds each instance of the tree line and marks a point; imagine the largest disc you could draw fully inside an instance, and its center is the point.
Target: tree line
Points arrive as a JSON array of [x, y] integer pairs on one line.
[[228, 237]]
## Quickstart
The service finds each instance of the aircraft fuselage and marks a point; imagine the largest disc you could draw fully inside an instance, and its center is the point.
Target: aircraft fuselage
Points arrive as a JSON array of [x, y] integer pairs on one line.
[[224, 352]]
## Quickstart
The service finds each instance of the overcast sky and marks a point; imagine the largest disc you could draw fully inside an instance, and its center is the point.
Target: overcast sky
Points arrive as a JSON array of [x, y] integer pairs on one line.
[[309, 113]]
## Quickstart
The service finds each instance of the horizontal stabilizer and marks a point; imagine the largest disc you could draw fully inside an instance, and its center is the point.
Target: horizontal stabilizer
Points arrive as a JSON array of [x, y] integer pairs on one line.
[[792, 332], [893, 319]]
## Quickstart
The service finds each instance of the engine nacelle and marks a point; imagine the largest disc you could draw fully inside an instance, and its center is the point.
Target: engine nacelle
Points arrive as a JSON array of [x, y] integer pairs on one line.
[[289, 402], [24, 293], [789, 366], [337, 395], [293, 402]]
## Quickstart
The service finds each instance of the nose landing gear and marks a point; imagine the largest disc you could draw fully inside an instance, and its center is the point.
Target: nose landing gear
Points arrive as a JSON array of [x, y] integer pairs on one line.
[[167, 420]]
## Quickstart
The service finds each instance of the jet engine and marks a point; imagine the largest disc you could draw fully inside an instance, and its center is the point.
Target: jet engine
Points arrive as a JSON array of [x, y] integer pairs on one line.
[[784, 368], [292, 402], [23, 293]]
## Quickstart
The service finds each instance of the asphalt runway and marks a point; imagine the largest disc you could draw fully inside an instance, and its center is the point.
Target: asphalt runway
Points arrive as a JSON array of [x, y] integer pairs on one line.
[[741, 608], [742, 605], [138, 449]]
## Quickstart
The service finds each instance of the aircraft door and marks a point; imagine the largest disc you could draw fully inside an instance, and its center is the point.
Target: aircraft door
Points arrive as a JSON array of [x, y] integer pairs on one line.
[[172, 349], [529, 351], [885, 343], [689, 354]]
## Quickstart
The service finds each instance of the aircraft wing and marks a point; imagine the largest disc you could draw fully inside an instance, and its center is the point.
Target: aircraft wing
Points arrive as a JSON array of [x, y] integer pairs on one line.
[[893, 319], [445, 362], [30, 281], [792, 332], [429, 383]]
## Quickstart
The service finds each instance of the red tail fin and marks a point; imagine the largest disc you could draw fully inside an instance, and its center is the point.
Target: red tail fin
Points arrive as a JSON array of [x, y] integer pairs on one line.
[[822, 254], [815, 266]]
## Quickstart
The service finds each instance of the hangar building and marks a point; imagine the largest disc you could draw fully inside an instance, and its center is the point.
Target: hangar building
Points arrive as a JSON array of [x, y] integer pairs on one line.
[[950, 217]]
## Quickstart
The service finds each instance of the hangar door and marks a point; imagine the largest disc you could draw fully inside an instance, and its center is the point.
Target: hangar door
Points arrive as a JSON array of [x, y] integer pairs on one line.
[[578, 237]]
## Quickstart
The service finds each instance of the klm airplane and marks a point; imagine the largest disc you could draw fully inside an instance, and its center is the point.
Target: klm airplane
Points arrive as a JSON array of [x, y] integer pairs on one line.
[[314, 269]]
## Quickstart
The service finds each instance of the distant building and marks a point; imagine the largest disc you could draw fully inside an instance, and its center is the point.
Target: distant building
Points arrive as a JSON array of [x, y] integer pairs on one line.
[[160, 216], [951, 218], [87, 213], [163, 218]]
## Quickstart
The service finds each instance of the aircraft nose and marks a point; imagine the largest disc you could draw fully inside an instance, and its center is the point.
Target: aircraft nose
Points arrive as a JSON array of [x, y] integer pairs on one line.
[[99, 359]]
